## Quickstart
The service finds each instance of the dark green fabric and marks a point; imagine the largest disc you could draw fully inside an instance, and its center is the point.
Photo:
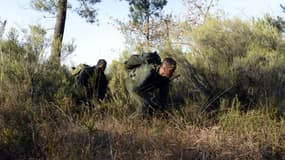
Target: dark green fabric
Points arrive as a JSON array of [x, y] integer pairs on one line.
[[92, 82], [148, 88], [144, 58]]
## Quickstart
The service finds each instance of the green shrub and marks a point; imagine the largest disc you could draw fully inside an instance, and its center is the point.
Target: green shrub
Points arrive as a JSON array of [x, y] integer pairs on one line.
[[241, 58]]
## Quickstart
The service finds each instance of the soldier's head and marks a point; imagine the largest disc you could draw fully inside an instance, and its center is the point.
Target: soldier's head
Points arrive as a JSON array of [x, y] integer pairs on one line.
[[167, 67], [101, 64]]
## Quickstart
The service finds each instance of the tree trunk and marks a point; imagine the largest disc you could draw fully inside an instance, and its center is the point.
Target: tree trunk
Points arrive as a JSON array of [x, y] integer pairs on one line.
[[59, 31]]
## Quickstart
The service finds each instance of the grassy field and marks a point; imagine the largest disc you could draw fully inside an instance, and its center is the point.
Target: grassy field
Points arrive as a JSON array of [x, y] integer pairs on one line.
[[49, 131]]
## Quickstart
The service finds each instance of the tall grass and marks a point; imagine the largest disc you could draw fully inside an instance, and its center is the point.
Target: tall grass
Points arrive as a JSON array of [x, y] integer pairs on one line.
[[47, 131]]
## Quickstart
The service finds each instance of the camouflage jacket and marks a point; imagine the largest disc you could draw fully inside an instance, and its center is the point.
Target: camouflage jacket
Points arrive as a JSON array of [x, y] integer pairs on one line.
[[146, 80], [95, 82]]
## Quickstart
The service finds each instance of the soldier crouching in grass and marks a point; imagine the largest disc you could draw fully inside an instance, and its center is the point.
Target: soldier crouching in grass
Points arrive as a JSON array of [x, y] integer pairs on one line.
[[91, 83], [143, 82]]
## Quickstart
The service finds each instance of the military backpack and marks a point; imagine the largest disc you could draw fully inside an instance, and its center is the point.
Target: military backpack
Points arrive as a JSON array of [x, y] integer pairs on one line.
[[145, 58], [82, 73]]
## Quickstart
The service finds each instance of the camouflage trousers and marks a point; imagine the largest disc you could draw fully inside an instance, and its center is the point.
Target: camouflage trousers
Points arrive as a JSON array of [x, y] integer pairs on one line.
[[145, 102]]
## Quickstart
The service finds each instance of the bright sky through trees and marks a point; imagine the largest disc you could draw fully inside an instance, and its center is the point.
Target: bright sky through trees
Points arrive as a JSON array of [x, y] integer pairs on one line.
[[103, 40]]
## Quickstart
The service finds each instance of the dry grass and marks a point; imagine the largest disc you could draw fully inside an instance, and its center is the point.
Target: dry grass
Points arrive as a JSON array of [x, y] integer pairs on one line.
[[160, 139], [51, 132]]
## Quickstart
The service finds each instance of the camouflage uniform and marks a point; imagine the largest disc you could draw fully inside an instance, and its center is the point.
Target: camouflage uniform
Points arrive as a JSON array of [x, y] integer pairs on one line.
[[93, 82], [142, 82]]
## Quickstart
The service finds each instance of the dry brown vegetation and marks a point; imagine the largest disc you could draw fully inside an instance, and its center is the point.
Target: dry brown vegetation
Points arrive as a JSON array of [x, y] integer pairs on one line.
[[50, 132]]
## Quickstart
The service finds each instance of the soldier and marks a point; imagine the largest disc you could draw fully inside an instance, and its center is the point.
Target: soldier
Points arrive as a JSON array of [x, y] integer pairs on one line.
[[101, 81], [144, 80], [93, 82]]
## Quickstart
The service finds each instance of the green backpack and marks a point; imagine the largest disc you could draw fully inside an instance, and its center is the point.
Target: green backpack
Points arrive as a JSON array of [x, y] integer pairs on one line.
[[145, 58], [82, 73], [76, 70]]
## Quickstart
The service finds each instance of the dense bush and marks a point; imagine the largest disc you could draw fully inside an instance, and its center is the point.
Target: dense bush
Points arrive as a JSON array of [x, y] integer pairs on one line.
[[242, 59], [25, 72], [29, 87]]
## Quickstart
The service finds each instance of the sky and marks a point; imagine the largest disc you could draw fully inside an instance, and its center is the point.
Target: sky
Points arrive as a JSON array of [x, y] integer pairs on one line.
[[104, 40]]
